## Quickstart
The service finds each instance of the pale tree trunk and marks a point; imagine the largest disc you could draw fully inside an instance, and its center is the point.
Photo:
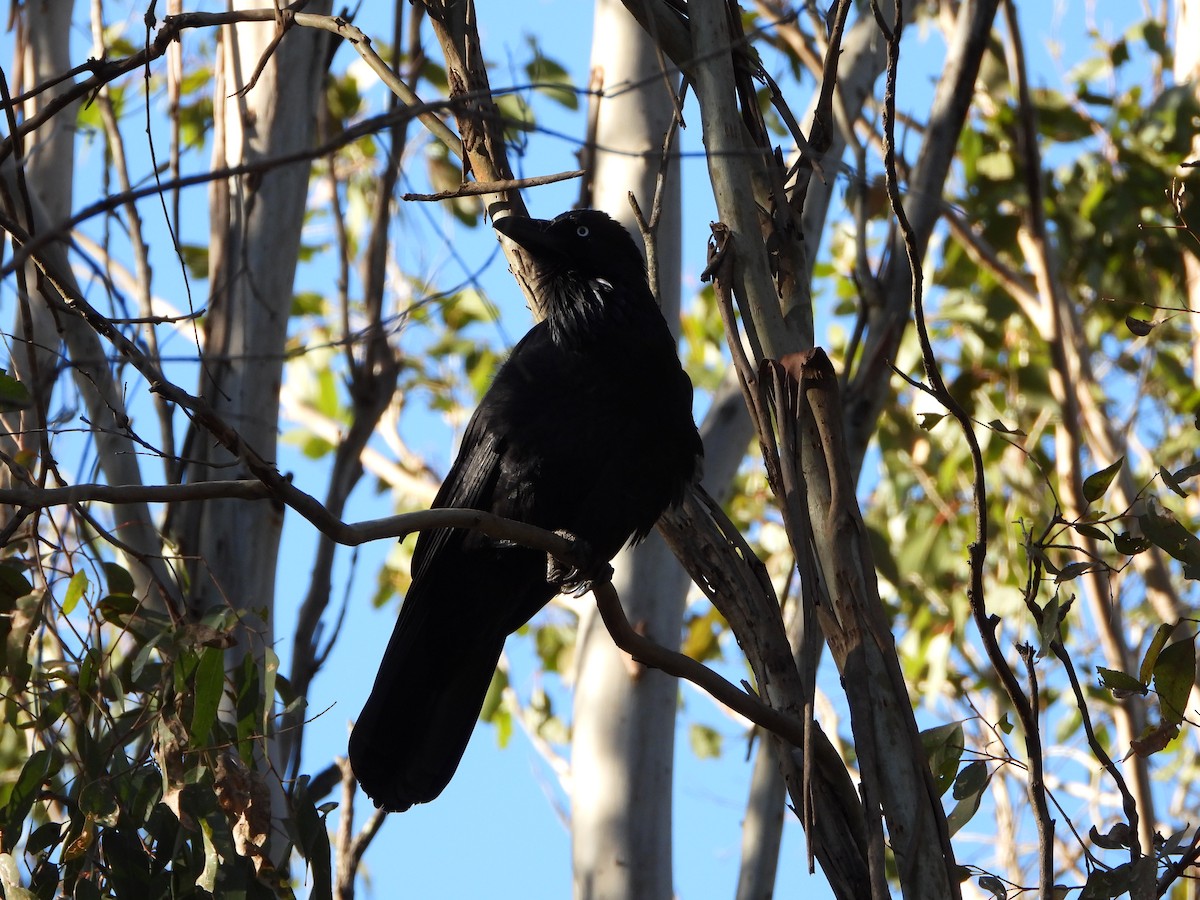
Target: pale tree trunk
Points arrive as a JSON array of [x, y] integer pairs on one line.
[[41, 200], [48, 163], [1187, 72], [256, 221], [255, 238], [624, 716]]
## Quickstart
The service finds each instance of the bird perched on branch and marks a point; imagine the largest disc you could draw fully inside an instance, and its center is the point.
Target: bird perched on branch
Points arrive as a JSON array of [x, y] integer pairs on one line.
[[586, 430]]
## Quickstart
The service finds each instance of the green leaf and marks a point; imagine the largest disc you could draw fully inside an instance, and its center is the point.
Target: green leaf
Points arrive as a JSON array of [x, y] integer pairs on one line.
[[1167, 533], [313, 843], [209, 685], [1174, 675], [943, 748], [1097, 483], [1161, 635], [307, 303], [1048, 631], [552, 80], [705, 741], [1116, 680], [13, 585], [270, 676], [996, 166], [119, 579], [75, 588], [1096, 534], [195, 258], [928, 420], [492, 700], [963, 811], [13, 394], [1074, 570], [39, 768], [207, 879], [1105, 884], [972, 779]]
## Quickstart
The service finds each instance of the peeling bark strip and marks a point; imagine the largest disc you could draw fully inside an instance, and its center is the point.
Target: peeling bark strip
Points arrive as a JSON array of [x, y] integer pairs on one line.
[[898, 784], [799, 414]]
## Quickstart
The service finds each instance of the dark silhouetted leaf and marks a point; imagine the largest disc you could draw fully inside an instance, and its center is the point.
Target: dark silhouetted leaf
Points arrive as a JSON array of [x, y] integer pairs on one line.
[[1120, 681], [1119, 837], [1096, 534], [972, 779], [1174, 675], [997, 425], [1140, 327], [994, 885], [1131, 545], [943, 747], [1167, 533], [1154, 739], [1169, 481]]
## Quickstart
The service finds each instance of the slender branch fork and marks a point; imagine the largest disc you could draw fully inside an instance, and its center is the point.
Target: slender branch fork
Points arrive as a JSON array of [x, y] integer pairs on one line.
[[985, 623], [561, 548]]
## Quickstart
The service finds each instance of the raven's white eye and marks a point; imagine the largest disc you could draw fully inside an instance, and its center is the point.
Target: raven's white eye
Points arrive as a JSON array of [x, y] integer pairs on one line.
[[582, 231]]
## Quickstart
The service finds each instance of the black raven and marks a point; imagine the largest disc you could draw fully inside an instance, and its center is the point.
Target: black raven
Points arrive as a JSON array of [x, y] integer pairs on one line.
[[587, 429]]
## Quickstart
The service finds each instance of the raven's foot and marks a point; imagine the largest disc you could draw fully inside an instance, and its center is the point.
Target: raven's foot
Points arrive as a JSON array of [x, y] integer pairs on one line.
[[575, 577]]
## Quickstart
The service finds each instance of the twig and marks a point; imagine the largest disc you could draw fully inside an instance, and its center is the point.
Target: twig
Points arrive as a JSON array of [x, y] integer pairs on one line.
[[986, 624], [658, 657], [475, 188]]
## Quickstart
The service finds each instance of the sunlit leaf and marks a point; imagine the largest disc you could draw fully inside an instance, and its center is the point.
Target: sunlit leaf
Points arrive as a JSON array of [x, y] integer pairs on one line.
[[705, 741], [1161, 635], [75, 589], [1097, 483]]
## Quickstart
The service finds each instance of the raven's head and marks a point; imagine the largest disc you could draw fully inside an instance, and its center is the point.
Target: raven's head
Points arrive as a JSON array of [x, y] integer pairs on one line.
[[590, 270]]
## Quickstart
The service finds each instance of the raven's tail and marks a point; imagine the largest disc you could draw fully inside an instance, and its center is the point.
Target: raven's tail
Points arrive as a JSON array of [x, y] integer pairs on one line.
[[415, 726]]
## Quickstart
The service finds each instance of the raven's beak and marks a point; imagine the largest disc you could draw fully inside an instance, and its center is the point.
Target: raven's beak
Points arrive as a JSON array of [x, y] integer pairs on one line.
[[533, 235]]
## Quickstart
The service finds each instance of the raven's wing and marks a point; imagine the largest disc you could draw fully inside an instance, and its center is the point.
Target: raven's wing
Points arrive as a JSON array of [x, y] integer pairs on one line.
[[469, 484]]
